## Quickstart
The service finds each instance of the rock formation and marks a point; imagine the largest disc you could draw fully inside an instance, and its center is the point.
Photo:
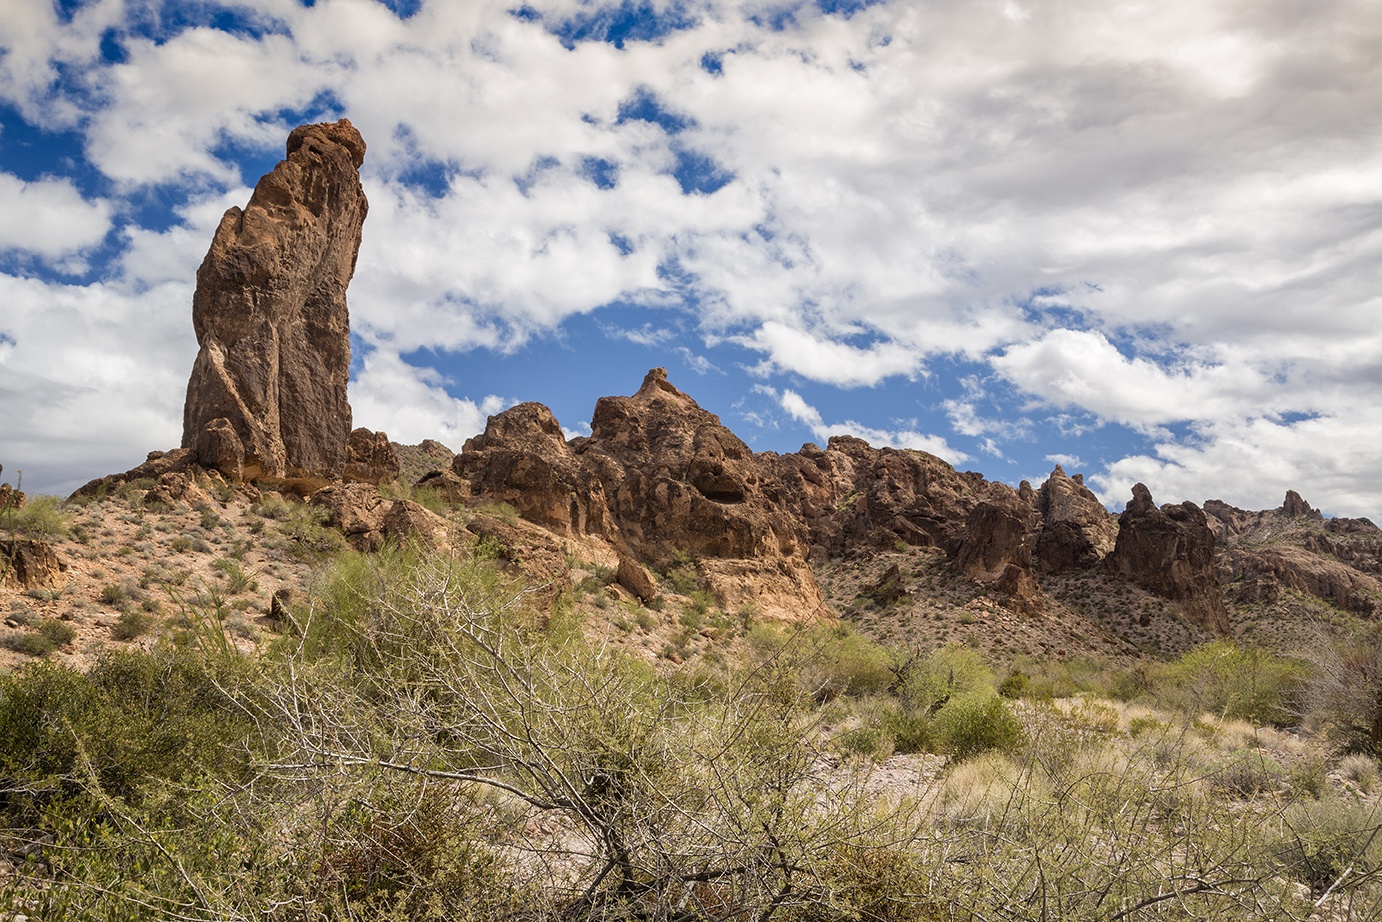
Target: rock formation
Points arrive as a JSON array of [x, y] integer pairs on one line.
[[657, 476], [271, 318], [370, 457], [29, 564], [1076, 530], [997, 550], [1170, 552], [11, 499]]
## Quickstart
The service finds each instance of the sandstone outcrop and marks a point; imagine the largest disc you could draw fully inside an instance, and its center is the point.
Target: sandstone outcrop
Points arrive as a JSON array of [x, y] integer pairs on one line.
[[446, 484], [357, 509], [1266, 553], [522, 459], [370, 457], [997, 550], [1076, 530], [219, 449], [657, 476], [853, 497], [30, 564], [1170, 553], [270, 313], [158, 463]]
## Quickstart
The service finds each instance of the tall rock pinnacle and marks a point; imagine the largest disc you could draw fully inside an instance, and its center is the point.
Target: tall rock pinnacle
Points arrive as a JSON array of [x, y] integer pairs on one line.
[[271, 318]]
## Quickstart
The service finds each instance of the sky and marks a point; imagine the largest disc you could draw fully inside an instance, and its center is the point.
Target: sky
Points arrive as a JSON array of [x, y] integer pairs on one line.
[[1139, 240]]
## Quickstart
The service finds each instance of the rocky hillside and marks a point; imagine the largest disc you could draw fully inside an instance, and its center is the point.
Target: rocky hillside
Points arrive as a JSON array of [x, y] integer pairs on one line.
[[661, 501]]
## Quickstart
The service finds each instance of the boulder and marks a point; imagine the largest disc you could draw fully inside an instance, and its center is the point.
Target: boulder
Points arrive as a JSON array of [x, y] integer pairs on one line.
[[370, 457], [357, 509], [446, 484], [176, 488], [635, 577], [157, 464], [270, 311], [1170, 553], [407, 520], [29, 564], [219, 449]]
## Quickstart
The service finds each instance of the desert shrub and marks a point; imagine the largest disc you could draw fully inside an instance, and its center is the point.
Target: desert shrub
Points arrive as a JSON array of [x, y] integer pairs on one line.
[[1245, 772], [1236, 683], [311, 539], [47, 635], [1321, 840], [41, 517], [133, 718], [274, 506], [977, 790], [911, 730], [1361, 771], [237, 580], [975, 723], [1344, 694], [1306, 777], [132, 623]]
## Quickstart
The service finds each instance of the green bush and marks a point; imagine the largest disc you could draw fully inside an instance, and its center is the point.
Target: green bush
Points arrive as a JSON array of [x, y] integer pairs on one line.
[[975, 723], [1236, 683], [134, 717], [131, 624], [1320, 840], [42, 517], [1245, 772]]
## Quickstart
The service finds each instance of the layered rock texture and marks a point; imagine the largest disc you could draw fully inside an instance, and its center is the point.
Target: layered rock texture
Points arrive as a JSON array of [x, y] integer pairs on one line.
[[1170, 551], [271, 318], [659, 478]]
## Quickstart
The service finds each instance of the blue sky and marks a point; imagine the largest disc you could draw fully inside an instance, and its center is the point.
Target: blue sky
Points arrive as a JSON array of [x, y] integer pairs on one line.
[[1139, 240]]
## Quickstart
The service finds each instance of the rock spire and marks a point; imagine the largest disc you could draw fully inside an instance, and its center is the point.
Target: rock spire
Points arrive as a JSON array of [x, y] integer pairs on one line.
[[271, 318]]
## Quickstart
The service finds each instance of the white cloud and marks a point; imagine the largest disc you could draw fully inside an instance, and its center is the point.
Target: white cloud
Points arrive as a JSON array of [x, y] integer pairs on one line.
[[1193, 181], [171, 104], [801, 411], [95, 379], [1074, 368], [1071, 463], [49, 217], [412, 404], [1252, 463]]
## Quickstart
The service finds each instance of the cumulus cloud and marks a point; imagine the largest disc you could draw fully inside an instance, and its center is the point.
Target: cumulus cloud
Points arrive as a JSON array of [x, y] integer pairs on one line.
[[1320, 458], [94, 378], [1135, 215], [49, 217], [798, 409], [412, 403], [1081, 368]]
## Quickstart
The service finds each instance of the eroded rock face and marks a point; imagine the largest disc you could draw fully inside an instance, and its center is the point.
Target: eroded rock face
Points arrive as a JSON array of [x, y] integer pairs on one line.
[[1076, 530], [522, 459], [852, 496], [1170, 552], [30, 564], [658, 475], [370, 457], [270, 312]]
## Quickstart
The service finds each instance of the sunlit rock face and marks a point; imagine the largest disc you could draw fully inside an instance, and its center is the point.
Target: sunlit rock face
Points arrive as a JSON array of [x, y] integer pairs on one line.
[[270, 312]]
